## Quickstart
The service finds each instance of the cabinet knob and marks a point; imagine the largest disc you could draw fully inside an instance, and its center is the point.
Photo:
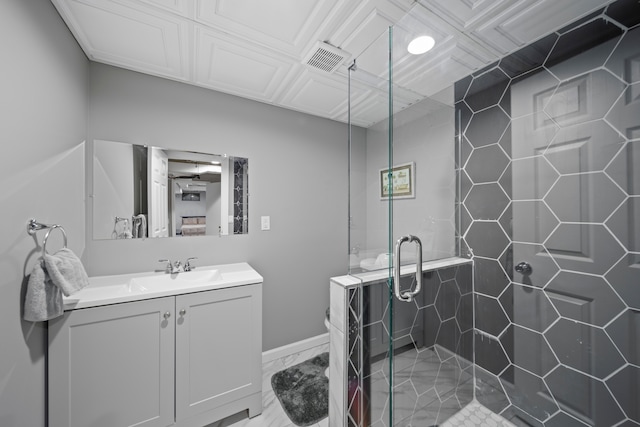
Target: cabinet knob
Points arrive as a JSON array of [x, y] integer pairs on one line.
[[167, 315], [183, 312]]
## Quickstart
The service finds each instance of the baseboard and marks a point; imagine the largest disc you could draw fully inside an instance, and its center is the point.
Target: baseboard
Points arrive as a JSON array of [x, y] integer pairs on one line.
[[295, 347]]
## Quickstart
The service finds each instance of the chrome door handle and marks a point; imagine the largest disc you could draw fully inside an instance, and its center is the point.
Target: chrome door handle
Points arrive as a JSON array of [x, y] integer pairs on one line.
[[407, 296], [524, 268]]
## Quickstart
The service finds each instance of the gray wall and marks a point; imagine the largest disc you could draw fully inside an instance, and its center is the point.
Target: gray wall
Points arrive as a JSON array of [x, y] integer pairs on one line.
[[298, 177], [54, 100], [43, 81]]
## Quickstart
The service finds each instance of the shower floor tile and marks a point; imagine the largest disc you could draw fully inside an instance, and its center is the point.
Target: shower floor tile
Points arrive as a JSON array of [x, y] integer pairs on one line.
[[474, 414]]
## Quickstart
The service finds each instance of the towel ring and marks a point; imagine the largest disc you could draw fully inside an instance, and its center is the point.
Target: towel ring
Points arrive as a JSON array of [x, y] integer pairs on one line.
[[46, 236]]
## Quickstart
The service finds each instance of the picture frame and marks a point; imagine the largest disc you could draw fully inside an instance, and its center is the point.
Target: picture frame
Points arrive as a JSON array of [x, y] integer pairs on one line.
[[402, 179]]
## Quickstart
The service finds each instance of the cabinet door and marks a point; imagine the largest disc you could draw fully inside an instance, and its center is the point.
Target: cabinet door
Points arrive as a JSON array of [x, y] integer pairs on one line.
[[113, 366], [218, 348]]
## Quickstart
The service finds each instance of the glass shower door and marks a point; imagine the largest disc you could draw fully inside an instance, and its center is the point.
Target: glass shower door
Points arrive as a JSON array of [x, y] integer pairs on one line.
[[402, 188]]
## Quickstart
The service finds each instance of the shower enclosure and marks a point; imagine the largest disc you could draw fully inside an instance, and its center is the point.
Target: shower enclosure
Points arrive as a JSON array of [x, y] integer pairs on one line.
[[522, 184]]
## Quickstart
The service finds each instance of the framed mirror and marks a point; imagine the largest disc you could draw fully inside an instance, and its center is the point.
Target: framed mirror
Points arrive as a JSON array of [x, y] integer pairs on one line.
[[141, 191]]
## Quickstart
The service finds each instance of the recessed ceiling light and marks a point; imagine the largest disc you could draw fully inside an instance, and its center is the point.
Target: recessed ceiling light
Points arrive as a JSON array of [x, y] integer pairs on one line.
[[420, 45]]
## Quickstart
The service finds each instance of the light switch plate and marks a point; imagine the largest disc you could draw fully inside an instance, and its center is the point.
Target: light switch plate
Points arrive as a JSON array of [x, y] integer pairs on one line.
[[265, 223]]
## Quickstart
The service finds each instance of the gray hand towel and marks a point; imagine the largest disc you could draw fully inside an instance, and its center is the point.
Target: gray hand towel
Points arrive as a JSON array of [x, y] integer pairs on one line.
[[44, 299], [66, 271]]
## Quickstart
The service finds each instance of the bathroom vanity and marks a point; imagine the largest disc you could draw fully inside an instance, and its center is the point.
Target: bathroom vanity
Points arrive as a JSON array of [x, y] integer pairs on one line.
[[158, 349]]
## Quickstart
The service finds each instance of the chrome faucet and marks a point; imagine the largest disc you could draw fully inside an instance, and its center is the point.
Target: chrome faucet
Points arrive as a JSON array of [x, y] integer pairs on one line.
[[173, 268], [187, 264]]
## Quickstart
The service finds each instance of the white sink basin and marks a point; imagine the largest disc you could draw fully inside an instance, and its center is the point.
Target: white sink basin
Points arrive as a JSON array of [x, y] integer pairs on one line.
[[189, 278], [138, 286]]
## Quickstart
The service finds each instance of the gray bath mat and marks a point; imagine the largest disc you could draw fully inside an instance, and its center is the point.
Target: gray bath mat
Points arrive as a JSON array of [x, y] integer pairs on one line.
[[303, 390]]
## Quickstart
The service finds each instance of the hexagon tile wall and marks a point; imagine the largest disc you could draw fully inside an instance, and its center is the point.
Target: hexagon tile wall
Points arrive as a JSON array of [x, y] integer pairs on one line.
[[550, 210]]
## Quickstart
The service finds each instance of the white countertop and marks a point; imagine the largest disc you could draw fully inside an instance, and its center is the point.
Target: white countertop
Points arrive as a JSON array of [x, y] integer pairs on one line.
[[350, 280], [104, 290]]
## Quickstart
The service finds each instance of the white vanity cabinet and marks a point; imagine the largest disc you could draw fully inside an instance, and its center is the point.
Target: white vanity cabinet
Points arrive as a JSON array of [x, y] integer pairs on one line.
[[183, 360]]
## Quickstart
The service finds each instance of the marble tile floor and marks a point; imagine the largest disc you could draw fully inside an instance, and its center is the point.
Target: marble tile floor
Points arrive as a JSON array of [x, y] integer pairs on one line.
[[431, 385], [272, 413], [472, 414]]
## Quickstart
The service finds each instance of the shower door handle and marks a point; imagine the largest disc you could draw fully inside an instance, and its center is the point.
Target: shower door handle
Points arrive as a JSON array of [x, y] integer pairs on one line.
[[407, 296]]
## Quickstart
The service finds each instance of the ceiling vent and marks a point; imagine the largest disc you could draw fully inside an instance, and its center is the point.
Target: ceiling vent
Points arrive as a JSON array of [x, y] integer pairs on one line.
[[325, 57]]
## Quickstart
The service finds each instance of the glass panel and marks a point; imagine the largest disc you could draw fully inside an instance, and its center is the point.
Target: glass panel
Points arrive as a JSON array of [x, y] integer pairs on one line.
[[369, 153], [423, 155], [432, 369], [433, 348]]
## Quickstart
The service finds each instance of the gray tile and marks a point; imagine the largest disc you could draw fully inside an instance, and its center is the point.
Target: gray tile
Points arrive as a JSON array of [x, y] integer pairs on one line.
[[448, 334], [490, 278], [622, 59], [489, 354], [520, 418], [487, 126], [487, 239], [625, 168], [487, 89], [405, 399], [489, 316], [464, 315], [584, 297], [447, 300], [589, 248], [532, 221], [532, 134], [505, 140], [432, 325], [586, 147], [486, 201], [588, 197], [529, 393], [598, 33], [461, 87], [588, 397], [464, 278], [530, 351], [627, 12], [543, 268], [624, 279], [561, 419], [506, 220], [529, 57], [589, 349], [531, 307], [465, 185], [487, 164], [625, 224], [529, 86], [624, 331], [427, 409], [448, 408], [625, 385], [532, 178], [489, 391], [623, 116], [447, 273]]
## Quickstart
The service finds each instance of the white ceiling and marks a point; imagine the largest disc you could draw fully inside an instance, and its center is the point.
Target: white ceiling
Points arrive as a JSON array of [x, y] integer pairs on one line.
[[256, 48]]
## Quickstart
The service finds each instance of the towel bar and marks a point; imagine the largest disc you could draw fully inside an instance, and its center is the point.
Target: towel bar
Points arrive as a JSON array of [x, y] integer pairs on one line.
[[33, 226]]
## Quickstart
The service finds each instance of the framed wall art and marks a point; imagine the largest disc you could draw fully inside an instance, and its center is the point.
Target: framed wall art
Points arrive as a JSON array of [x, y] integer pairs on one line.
[[400, 183]]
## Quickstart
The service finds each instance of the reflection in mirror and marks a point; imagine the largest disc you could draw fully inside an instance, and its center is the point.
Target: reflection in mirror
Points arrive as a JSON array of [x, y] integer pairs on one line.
[[144, 191]]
